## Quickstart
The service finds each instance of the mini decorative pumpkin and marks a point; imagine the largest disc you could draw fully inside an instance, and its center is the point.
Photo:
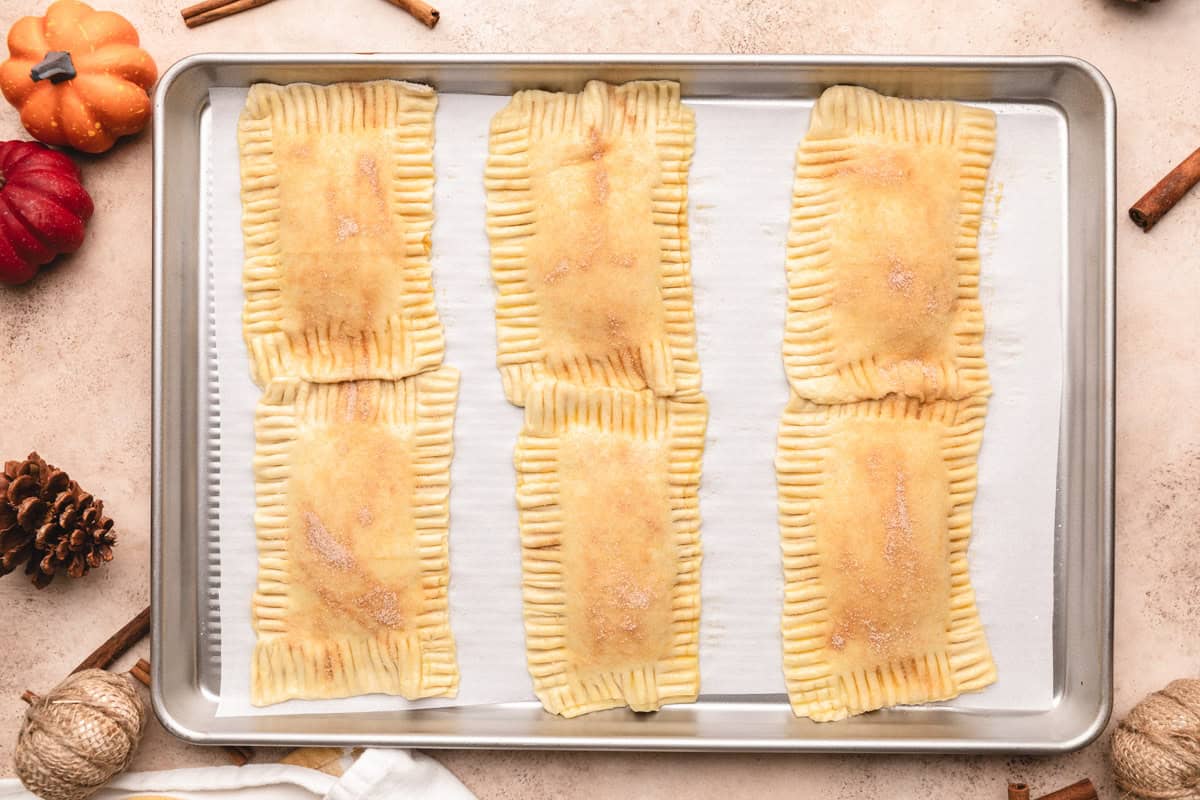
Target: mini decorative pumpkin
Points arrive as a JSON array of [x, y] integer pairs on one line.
[[43, 208], [78, 76], [85, 732]]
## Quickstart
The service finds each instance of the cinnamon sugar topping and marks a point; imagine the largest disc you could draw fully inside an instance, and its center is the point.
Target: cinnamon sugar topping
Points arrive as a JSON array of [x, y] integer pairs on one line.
[[326, 547]]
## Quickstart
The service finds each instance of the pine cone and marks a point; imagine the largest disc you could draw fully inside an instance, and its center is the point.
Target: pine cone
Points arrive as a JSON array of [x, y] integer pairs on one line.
[[49, 524]]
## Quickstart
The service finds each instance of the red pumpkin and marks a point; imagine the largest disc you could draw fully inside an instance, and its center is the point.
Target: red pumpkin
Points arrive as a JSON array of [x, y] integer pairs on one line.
[[43, 208]]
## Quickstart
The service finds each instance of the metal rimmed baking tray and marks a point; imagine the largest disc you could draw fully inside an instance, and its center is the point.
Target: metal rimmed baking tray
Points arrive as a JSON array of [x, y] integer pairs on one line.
[[186, 646]]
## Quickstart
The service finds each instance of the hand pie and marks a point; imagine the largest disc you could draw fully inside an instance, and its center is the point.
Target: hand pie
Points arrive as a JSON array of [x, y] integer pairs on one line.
[[607, 484], [587, 215], [337, 199], [353, 481], [875, 508], [883, 270]]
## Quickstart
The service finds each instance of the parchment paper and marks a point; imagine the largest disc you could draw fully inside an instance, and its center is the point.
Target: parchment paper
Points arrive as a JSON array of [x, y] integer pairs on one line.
[[740, 192]]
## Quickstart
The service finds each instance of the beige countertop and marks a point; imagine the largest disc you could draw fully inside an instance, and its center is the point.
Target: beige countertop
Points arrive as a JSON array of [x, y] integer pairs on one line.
[[75, 349]]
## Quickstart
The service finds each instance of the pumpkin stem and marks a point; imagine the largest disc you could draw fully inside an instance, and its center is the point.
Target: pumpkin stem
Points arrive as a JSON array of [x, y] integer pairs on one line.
[[57, 66]]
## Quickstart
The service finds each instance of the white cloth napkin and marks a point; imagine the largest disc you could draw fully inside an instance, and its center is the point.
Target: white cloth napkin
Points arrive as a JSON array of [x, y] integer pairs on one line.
[[376, 775]]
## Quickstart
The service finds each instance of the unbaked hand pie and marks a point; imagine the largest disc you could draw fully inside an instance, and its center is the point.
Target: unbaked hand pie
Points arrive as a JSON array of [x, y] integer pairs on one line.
[[353, 481], [875, 505], [337, 199], [607, 483], [883, 270], [587, 215]]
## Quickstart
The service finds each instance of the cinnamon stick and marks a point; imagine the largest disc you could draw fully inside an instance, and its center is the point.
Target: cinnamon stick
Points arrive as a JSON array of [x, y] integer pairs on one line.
[[199, 8], [426, 14], [116, 646], [113, 648], [1018, 791], [1166, 193], [240, 756], [141, 672], [213, 10], [1083, 790]]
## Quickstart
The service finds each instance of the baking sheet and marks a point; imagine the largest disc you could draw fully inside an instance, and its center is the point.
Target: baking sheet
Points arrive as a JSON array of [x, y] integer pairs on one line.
[[739, 205]]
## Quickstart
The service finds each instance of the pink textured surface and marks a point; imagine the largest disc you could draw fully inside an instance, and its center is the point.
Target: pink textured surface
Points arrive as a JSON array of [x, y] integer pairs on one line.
[[75, 349]]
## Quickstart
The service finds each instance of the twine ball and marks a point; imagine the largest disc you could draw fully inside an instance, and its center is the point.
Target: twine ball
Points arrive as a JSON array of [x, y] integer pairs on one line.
[[1156, 749], [79, 735]]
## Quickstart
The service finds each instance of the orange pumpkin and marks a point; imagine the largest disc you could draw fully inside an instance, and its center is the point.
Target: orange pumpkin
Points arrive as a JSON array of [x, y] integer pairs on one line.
[[78, 76]]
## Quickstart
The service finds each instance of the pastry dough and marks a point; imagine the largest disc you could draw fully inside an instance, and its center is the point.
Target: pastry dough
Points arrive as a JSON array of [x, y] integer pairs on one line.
[[587, 215], [875, 508], [607, 483], [353, 481], [883, 270], [337, 198]]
